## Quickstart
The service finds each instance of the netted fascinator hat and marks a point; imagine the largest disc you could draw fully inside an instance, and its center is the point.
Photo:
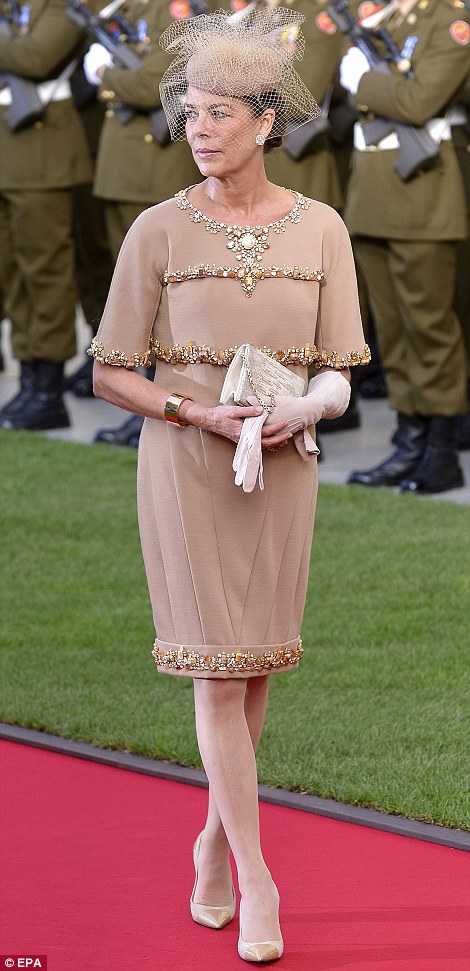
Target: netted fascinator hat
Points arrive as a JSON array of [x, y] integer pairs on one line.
[[244, 58]]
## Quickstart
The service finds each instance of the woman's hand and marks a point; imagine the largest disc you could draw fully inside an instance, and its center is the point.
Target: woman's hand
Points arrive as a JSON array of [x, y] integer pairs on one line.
[[227, 421], [293, 412], [275, 434]]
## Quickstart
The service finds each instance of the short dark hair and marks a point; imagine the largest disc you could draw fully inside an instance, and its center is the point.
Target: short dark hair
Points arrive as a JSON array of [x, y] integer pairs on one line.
[[259, 103]]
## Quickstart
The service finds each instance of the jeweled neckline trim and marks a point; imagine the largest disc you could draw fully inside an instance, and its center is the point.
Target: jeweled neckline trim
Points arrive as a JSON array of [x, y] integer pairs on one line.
[[214, 225], [247, 243]]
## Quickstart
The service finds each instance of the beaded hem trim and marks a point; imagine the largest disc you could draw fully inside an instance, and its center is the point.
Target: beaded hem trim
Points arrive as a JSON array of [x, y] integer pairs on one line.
[[247, 243], [234, 662], [308, 355], [248, 277], [118, 358]]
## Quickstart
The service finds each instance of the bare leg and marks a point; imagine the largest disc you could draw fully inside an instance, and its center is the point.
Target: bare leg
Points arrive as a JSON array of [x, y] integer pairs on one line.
[[214, 875], [228, 755]]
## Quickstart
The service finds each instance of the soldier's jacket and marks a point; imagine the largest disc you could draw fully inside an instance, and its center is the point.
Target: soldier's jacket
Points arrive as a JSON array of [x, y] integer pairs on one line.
[[316, 175], [431, 205], [51, 153], [131, 166], [461, 136]]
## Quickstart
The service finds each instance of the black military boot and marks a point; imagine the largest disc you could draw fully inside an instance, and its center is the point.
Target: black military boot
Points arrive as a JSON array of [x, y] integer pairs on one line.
[[463, 432], [26, 390], [81, 381], [463, 428], [45, 406], [127, 434], [410, 439], [373, 386], [439, 468]]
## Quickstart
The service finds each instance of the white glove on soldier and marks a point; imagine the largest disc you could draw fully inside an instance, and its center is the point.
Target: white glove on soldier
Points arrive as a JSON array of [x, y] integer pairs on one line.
[[96, 57], [351, 69], [327, 396]]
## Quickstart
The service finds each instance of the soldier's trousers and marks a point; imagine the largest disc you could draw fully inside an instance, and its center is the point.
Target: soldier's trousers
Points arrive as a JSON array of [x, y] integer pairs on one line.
[[462, 291], [119, 218], [37, 272], [94, 265], [410, 285]]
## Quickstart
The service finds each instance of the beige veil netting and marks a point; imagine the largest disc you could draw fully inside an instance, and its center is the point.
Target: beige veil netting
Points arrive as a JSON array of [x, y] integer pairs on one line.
[[249, 58]]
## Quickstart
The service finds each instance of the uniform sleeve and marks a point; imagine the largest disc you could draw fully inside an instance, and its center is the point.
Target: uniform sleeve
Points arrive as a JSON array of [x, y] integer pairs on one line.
[[139, 88], [339, 336], [438, 76], [124, 335], [42, 52], [323, 52]]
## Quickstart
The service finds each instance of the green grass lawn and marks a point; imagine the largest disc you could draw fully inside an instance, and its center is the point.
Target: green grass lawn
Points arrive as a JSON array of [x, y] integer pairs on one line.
[[376, 715]]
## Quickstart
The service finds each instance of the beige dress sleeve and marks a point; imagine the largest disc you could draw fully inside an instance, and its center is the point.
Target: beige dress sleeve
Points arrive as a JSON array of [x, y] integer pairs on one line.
[[124, 335], [339, 336]]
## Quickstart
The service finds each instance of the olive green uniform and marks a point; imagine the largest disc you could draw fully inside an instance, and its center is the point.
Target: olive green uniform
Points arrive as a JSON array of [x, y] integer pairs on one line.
[[461, 139], [406, 233], [39, 166], [316, 175], [133, 171], [94, 264]]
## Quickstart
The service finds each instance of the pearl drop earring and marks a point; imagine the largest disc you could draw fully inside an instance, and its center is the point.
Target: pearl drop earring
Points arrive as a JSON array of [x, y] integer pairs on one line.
[[260, 139]]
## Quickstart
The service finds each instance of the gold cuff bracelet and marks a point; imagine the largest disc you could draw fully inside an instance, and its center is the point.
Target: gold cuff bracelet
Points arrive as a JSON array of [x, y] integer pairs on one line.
[[172, 406]]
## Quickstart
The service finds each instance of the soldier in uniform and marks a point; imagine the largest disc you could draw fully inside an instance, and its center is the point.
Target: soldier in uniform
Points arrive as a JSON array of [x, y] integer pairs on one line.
[[40, 164], [406, 235], [94, 264], [461, 139], [133, 171], [2, 316], [315, 174]]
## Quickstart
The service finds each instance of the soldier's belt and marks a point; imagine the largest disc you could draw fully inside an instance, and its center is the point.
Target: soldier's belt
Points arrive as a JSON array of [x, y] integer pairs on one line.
[[47, 91], [440, 129]]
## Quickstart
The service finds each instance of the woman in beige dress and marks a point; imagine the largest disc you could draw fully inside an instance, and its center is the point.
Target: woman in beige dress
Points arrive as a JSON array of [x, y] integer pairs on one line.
[[234, 259]]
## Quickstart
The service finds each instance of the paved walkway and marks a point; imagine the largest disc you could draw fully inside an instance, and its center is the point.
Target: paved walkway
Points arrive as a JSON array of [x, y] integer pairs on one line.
[[342, 451]]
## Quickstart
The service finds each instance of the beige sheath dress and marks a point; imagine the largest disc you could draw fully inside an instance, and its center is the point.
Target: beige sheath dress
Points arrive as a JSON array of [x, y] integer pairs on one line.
[[227, 570]]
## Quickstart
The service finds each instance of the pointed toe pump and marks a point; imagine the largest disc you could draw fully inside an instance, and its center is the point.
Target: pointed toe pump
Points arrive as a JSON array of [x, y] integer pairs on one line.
[[214, 917], [261, 952]]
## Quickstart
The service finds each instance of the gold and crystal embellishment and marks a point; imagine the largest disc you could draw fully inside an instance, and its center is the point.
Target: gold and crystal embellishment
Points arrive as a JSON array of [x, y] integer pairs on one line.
[[247, 243], [233, 662]]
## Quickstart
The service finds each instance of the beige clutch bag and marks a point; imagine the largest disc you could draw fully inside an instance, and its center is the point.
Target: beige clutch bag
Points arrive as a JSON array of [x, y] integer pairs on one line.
[[252, 372]]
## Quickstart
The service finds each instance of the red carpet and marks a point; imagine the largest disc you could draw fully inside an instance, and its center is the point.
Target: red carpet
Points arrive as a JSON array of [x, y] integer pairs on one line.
[[97, 872]]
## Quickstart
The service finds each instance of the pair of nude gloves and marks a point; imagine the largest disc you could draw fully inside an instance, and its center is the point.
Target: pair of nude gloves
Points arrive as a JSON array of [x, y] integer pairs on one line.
[[327, 396]]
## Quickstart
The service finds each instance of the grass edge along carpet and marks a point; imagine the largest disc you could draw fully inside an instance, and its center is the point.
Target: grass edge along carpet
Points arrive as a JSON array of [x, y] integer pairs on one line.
[[376, 714]]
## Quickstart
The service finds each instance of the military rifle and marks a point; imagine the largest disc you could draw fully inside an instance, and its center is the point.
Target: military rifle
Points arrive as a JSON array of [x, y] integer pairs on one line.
[[301, 142], [26, 106], [115, 34], [417, 150]]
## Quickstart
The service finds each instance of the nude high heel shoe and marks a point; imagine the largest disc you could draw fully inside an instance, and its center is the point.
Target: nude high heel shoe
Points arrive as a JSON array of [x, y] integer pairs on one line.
[[215, 917], [259, 951]]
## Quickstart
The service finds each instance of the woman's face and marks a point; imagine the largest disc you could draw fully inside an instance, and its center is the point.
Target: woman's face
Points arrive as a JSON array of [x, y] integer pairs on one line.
[[221, 131]]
